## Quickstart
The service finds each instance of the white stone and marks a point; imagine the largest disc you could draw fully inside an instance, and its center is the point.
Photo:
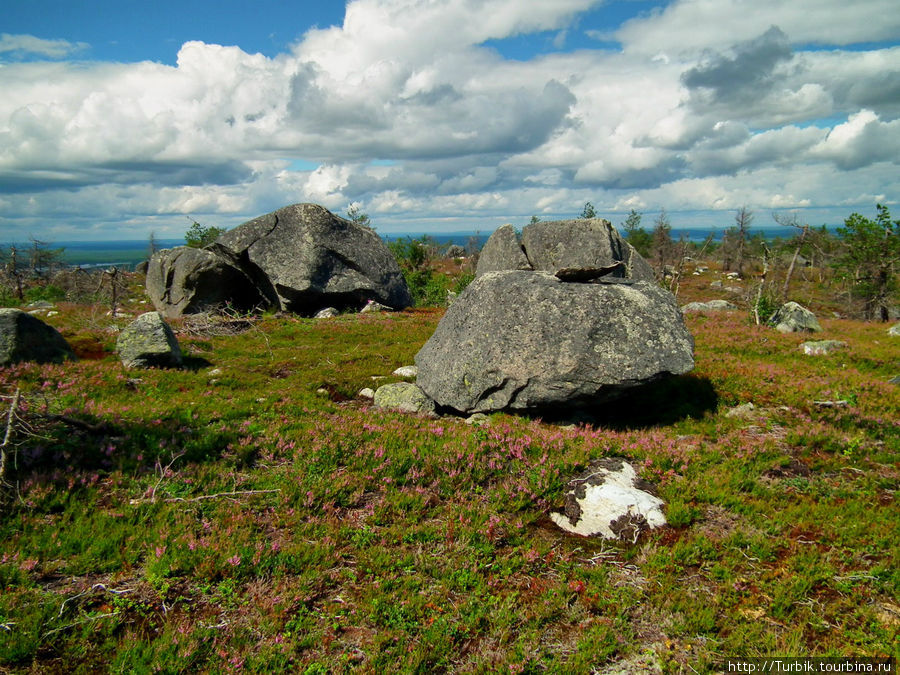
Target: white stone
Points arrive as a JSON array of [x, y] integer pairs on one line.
[[366, 392], [406, 371], [608, 497]]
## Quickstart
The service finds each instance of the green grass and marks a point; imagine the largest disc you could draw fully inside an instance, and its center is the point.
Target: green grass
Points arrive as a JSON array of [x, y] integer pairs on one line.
[[241, 520]]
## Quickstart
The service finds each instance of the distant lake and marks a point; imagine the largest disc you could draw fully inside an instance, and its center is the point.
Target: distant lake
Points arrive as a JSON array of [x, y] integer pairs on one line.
[[129, 252]]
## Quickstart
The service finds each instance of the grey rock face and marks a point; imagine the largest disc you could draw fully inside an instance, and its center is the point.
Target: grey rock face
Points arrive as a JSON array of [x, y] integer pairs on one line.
[[403, 397], [187, 280], [523, 340], [564, 247], [502, 251], [585, 243], [313, 258], [300, 258], [24, 337], [610, 500], [794, 318], [148, 342]]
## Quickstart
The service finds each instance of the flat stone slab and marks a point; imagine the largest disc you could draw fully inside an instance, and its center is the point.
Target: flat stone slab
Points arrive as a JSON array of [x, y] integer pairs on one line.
[[610, 500]]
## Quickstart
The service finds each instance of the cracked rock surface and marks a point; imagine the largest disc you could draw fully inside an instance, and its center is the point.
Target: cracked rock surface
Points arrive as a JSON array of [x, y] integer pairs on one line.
[[301, 258]]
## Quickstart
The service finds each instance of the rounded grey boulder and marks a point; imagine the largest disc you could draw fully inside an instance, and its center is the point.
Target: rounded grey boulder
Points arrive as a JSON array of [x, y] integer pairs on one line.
[[527, 340], [148, 342], [794, 318], [24, 337]]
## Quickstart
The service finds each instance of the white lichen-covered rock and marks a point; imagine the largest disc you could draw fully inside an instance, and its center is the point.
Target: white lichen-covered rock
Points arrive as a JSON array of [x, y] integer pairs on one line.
[[822, 347], [709, 306], [609, 499], [794, 318], [406, 371], [366, 392], [894, 330], [327, 313]]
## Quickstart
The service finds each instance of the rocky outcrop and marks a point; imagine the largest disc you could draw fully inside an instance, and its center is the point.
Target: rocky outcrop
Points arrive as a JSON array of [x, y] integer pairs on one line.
[[148, 342], [301, 259], [610, 500], [564, 246], [24, 337], [794, 318], [527, 340]]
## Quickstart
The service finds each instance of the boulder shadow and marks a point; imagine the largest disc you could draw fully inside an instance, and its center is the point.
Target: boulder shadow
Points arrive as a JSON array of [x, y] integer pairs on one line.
[[658, 403], [194, 363]]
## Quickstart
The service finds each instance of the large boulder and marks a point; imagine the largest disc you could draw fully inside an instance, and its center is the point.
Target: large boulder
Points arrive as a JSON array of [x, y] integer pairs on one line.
[[300, 258], [563, 246], [148, 342], [794, 318], [24, 337], [521, 340], [188, 280], [314, 259]]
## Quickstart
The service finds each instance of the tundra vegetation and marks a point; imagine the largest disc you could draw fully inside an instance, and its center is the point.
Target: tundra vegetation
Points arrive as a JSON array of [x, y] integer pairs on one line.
[[249, 513]]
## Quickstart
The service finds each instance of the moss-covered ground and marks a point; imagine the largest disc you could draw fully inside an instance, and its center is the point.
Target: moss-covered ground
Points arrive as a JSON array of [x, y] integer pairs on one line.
[[250, 514]]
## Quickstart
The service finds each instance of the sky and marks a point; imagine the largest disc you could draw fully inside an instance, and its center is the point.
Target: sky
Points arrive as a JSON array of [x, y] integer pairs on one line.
[[121, 118]]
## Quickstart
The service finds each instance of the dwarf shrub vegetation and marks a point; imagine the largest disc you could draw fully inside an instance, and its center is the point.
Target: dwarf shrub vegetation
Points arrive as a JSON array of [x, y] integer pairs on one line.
[[249, 513]]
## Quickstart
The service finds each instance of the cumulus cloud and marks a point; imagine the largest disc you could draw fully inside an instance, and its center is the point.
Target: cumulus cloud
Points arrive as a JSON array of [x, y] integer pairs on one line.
[[705, 106]]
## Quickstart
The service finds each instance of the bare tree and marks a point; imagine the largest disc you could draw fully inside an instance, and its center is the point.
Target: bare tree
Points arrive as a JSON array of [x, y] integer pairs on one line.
[[791, 221], [743, 218]]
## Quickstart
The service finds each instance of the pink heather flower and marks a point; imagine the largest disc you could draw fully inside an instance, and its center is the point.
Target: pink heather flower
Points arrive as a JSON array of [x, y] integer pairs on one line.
[[234, 560], [159, 551]]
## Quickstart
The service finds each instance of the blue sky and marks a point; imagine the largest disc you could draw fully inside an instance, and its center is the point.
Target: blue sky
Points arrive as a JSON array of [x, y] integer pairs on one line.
[[122, 118]]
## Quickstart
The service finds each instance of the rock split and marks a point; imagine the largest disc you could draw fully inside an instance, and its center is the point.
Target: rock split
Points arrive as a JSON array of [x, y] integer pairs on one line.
[[300, 259]]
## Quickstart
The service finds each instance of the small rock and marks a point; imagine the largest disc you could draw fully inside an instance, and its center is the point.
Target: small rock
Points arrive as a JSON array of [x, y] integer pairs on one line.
[[366, 392], [716, 284], [321, 391], [794, 318], [372, 306], [406, 371], [822, 347], [478, 420], [610, 500], [894, 380], [148, 342], [709, 306], [215, 372], [894, 330], [403, 397], [743, 410], [52, 313], [327, 313], [41, 304]]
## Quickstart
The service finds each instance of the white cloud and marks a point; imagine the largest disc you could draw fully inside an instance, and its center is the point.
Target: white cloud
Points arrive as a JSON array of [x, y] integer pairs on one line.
[[709, 105], [25, 45]]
